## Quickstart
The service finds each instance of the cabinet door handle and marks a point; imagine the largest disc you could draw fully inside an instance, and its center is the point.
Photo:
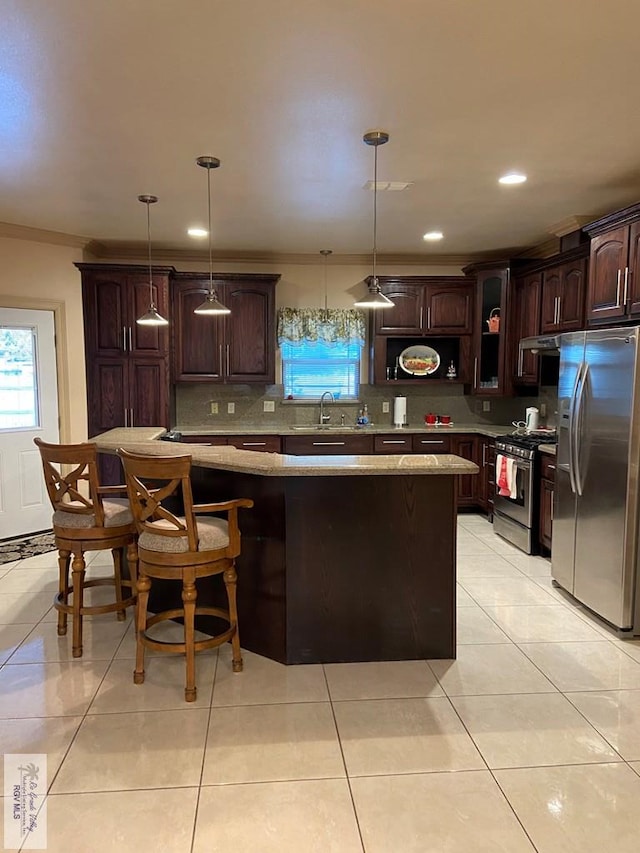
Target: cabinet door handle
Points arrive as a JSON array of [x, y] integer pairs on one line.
[[626, 287], [254, 444], [126, 417], [328, 444], [559, 310], [227, 359], [551, 467], [429, 317], [220, 359], [124, 338], [130, 340], [430, 441], [393, 441], [131, 418], [618, 288], [521, 362], [421, 315], [475, 373], [484, 455]]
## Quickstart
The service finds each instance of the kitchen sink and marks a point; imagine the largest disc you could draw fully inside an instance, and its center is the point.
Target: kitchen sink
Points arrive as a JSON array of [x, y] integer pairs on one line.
[[324, 428]]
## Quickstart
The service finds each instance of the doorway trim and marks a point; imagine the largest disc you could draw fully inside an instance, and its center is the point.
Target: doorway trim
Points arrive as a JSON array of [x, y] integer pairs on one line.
[[60, 331]]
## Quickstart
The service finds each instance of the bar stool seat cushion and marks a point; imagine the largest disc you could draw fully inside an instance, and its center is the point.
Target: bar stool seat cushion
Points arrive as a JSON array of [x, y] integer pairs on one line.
[[213, 533], [116, 514]]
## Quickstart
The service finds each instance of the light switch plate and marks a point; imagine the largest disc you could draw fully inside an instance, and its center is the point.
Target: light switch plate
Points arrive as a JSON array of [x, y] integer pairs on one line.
[[486, 405], [268, 406], [385, 407], [231, 408], [214, 408]]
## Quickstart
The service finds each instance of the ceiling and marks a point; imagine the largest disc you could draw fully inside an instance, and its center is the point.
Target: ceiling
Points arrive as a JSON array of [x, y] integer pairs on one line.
[[101, 100]]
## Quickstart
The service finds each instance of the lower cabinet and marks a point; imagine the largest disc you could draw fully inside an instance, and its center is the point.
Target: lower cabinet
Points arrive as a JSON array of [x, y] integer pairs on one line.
[[333, 444], [264, 443], [467, 447], [547, 482], [486, 484]]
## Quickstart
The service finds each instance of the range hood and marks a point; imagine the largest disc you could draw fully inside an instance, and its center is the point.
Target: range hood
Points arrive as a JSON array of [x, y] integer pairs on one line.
[[542, 344]]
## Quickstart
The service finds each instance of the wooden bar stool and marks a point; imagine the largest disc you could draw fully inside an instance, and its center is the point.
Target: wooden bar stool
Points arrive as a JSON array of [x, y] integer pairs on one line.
[[86, 518], [185, 548]]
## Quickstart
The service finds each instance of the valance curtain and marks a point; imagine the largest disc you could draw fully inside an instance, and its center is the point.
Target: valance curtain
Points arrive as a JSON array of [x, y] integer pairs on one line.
[[327, 325]]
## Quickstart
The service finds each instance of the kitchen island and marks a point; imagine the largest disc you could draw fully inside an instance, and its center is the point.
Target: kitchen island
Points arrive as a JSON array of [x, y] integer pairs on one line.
[[344, 558]]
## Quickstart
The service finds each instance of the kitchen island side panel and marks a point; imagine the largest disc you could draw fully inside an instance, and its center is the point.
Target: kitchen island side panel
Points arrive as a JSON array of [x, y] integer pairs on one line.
[[370, 568]]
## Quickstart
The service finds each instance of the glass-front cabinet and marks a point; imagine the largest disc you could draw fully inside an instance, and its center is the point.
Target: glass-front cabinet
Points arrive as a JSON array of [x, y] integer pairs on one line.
[[490, 374]]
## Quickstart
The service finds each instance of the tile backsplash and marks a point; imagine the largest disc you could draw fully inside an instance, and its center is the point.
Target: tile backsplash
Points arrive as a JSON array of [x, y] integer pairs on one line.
[[193, 406]]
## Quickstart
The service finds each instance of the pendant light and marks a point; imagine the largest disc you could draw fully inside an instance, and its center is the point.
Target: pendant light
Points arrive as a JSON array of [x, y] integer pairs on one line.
[[375, 298], [325, 254], [212, 305], [151, 317]]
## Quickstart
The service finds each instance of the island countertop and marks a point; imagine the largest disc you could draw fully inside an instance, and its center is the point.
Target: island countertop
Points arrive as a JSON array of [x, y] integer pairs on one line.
[[144, 440]]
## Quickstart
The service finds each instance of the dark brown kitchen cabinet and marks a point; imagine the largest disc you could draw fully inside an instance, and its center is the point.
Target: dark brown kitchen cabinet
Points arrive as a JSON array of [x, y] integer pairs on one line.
[[614, 275], [563, 296], [328, 444], [259, 443], [492, 371], [236, 347], [434, 306], [113, 297], [547, 482], [127, 366], [526, 323], [485, 482], [467, 447]]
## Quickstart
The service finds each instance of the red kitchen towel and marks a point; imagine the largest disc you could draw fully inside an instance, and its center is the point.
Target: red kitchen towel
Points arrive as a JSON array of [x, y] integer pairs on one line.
[[503, 482]]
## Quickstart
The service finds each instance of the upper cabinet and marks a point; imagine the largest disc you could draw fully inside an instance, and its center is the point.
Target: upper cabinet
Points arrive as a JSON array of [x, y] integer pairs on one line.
[[563, 297], [113, 297], [490, 373], [614, 272], [434, 306], [525, 324], [236, 347]]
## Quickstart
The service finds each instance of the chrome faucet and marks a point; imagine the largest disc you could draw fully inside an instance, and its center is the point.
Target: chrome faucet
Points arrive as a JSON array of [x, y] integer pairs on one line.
[[324, 419]]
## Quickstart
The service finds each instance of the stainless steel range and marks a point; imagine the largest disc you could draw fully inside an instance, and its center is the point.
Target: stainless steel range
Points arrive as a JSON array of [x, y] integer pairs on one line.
[[516, 505]]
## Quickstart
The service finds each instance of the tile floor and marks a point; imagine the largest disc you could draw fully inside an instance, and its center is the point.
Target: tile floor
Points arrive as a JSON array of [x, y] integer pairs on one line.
[[529, 741]]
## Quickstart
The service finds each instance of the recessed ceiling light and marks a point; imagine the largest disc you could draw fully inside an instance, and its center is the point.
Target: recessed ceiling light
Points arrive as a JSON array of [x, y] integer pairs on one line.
[[513, 178], [197, 232], [433, 235]]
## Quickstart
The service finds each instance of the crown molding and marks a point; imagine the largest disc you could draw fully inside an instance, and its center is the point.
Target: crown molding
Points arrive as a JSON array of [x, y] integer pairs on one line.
[[174, 255], [542, 250], [568, 224], [41, 235]]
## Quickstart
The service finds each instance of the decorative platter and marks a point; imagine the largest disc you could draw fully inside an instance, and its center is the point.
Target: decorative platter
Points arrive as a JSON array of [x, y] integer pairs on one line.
[[419, 360]]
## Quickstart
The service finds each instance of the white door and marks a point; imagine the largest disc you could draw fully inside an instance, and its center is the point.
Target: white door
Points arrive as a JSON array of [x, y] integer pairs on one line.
[[28, 408]]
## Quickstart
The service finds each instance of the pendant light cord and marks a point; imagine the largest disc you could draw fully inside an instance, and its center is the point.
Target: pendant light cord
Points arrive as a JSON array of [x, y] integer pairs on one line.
[[151, 302], [209, 215], [375, 211]]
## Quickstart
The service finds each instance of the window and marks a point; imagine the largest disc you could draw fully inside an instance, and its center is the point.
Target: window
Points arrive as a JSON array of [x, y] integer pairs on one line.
[[310, 368], [321, 351], [18, 381]]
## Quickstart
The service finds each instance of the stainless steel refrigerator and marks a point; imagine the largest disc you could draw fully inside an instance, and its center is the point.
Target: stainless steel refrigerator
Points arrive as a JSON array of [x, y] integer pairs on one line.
[[594, 552]]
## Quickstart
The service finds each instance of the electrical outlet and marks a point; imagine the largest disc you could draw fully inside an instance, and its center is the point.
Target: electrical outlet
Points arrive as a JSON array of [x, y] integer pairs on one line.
[[231, 408], [214, 408], [268, 406], [543, 410], [385, 407], [486, 405]]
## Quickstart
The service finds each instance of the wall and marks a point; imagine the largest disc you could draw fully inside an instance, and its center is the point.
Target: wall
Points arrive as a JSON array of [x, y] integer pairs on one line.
[[36, 275]]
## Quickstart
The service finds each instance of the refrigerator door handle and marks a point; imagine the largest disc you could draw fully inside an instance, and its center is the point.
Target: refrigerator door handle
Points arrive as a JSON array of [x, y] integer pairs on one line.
[[576, 429], [571, 432]]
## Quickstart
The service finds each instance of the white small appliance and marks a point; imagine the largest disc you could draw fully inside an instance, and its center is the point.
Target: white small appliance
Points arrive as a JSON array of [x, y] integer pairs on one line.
[[531, 419]]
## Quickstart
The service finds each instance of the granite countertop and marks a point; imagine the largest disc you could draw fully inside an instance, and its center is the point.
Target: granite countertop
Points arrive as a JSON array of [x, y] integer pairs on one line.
[[143, 440], [550, 449], [489, 430]]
